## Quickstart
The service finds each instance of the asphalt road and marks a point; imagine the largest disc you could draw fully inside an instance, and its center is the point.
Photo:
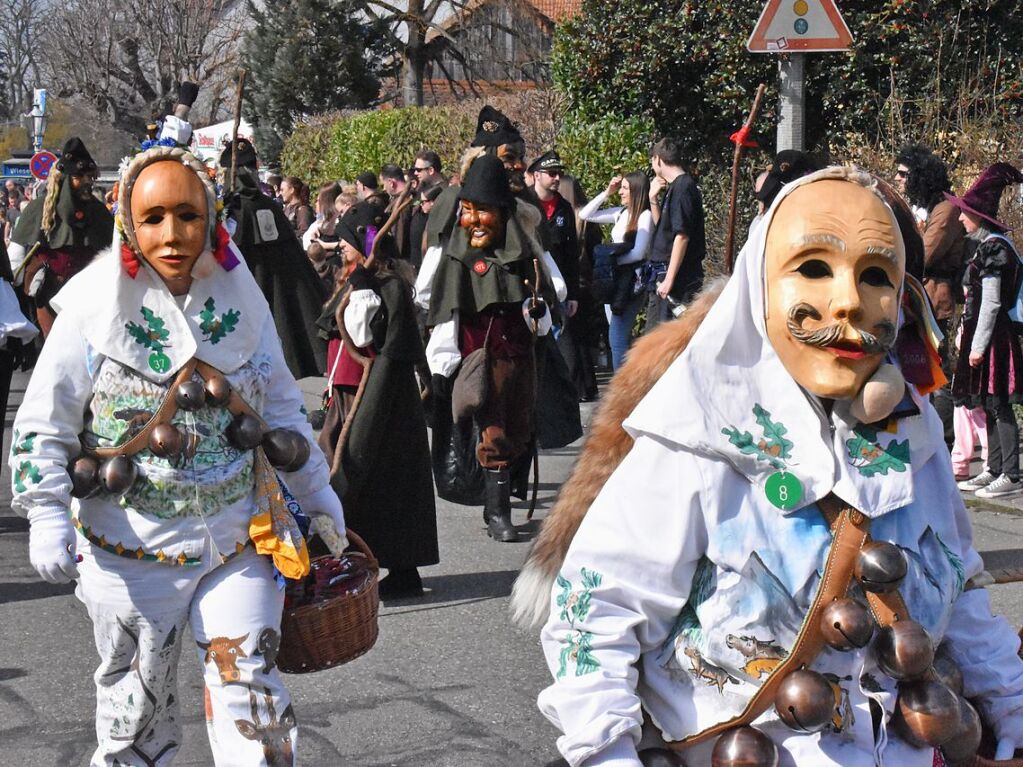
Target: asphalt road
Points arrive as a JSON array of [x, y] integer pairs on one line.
[[450, 682]]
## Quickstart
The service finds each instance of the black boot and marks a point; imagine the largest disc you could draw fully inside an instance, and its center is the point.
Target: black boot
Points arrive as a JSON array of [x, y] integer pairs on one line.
[[498, 506]]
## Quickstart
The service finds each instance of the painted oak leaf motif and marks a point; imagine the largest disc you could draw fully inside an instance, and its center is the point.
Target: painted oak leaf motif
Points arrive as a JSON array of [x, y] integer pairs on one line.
[[578, 651], [773, 447], [871, 459], [23, 444], [153, 335], [215, 328], [27, 472]]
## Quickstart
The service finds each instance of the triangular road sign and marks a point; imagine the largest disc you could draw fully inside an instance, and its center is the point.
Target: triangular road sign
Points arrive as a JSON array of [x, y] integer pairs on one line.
[[800, 25]]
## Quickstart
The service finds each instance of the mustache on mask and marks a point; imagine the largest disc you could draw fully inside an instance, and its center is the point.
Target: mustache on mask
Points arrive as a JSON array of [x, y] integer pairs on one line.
[[831, 334]]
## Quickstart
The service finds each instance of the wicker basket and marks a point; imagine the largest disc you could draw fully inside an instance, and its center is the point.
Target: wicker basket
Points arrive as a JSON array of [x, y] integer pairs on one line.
[[336, 630]]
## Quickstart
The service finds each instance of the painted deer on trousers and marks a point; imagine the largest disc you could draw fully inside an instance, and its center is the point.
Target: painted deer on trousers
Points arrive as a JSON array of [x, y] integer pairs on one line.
[[274, 735]]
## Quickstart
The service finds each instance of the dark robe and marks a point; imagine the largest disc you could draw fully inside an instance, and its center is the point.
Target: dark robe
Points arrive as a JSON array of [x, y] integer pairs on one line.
[[287, 278], [81, 229], [386, 481]]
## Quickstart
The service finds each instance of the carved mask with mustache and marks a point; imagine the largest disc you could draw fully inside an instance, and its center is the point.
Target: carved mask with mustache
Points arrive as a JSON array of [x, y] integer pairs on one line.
[[829, 335]]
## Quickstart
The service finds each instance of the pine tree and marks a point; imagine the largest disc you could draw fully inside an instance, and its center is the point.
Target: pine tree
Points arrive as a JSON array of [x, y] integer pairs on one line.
[[308, 56]]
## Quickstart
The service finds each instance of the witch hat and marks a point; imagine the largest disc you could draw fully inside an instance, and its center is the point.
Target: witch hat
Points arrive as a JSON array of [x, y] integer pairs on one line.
[[982, 199]]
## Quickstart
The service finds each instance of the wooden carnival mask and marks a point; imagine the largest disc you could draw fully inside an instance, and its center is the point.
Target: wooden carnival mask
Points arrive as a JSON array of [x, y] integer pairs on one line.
[[834, 267], [483, 223], [169, 211]]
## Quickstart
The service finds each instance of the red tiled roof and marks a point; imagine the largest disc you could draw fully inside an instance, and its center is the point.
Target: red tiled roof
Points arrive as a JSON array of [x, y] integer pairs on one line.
[[557, 10]]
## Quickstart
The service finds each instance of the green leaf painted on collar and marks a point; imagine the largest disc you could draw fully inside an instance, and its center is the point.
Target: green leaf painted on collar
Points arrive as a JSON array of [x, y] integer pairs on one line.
[[870, 459], [773, 448], [215, 328], [154, 335]]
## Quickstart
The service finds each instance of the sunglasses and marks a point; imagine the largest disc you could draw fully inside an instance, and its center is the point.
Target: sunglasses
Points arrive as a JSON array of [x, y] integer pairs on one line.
[[902, 174], [417, 169]]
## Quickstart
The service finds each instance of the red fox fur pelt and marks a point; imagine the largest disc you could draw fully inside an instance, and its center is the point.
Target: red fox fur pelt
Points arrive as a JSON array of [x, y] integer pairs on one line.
[[606, 446]]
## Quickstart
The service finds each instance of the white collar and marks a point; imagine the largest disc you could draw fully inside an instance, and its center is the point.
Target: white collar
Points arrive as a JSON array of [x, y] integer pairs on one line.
[[137, 322], [729, 397]]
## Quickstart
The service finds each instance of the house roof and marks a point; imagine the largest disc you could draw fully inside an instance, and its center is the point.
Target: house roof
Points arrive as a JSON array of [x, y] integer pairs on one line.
[[553, 10], [557, 10]]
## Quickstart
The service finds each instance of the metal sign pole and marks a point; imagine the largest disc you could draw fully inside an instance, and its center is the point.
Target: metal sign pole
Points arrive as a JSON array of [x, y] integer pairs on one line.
[[792, 101]]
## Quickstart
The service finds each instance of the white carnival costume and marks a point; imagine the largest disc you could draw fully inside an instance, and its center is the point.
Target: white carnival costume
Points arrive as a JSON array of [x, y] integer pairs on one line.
[[178, 547], [691, 574]]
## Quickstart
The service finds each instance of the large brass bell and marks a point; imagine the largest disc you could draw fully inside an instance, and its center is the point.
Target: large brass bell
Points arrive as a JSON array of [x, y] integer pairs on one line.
[[880, 567], [904, 650], [190, 395], [847, 623], [744, 747], [85, 477], [927, 713], [281, 447], [962, 747], [660, 757], [805, 701], [218, 390], [118, 474], [245, 432], [301, 453], [947, 671], [166, 441]]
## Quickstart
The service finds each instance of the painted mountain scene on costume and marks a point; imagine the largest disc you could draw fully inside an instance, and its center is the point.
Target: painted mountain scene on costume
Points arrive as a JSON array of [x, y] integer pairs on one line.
[[753, 618]]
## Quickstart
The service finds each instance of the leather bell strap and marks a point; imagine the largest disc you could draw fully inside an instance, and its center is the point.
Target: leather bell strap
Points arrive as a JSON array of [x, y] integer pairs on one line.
[[169, 408], [850, 530]]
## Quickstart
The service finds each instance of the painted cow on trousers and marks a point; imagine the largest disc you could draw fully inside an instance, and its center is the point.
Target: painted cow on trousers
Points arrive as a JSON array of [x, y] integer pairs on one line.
[[225, 653]]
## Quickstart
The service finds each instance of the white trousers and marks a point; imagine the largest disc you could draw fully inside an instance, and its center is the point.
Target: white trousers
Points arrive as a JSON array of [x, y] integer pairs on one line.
[[139, 611]]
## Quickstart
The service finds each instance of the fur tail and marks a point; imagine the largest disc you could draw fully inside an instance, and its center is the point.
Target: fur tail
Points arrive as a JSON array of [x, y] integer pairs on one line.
[[604, 449]]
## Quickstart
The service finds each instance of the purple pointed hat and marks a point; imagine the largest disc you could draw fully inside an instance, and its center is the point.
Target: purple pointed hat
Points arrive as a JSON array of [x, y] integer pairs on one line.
[[982, 199]]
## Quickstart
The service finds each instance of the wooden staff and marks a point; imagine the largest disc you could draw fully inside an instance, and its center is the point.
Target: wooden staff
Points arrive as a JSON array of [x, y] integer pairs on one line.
[[739, 137], [234, 128], [403, 201]]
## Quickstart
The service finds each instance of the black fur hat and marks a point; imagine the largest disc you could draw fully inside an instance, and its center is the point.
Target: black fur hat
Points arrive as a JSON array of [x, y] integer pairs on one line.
[[246, 154], [359, 225], [75, 159], [486, 183], [493, 128]]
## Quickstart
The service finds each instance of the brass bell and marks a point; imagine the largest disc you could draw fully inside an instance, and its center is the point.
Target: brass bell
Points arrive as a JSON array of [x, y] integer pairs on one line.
[[744, 747], [805, 701], [118, 474], [927, 713], [302, 450], [245, 432], [281, 447], [904, 650], [946, 670], [847, 623], [962, 747], [190, 395], [85, 477], [166, 441], [218, 390], [880, 567], [660, 757]]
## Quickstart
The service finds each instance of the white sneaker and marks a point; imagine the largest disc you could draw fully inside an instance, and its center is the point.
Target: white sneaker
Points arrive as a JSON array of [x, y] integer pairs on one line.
[[1000, 487], [983, 479]]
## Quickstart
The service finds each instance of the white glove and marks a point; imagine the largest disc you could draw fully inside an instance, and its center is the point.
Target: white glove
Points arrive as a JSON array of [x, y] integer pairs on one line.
[[325, 505], [51, 544]]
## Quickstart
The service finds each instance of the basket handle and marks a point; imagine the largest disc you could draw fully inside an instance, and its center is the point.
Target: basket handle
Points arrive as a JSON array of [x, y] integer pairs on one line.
[[360, 545]]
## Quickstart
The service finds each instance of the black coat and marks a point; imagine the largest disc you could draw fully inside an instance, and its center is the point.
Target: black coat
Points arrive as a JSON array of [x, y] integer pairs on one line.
[[386, 482], [287, 278]]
